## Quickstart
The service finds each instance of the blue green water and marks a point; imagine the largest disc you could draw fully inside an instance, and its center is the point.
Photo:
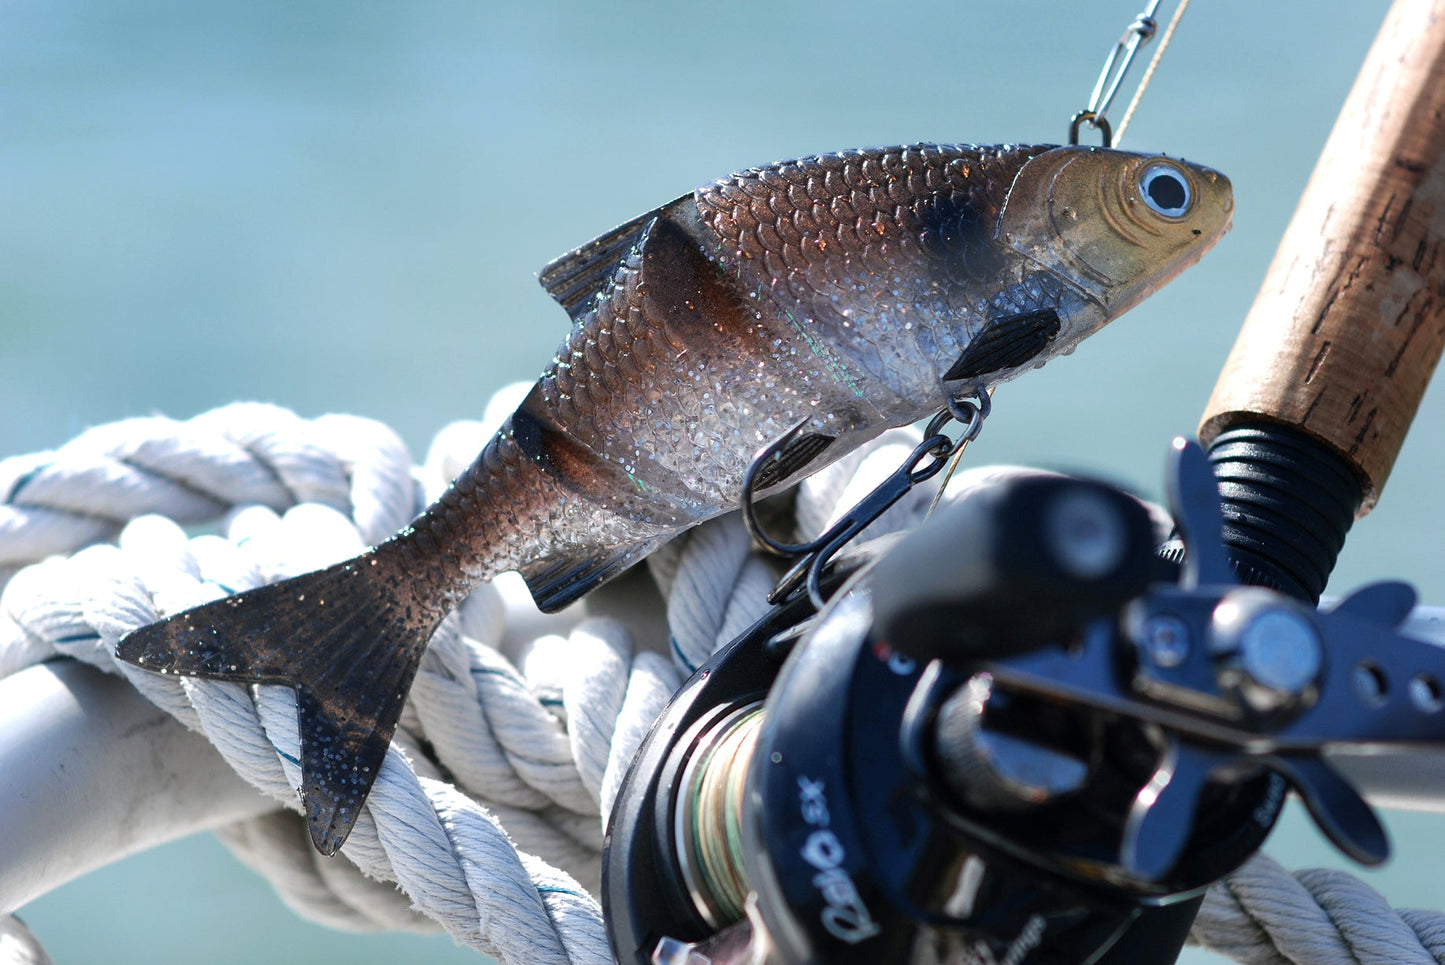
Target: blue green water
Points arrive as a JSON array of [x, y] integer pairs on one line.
[[341, 207]]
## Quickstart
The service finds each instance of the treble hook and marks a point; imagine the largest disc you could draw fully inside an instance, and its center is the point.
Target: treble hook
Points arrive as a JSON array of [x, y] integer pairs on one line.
[[814, 555]]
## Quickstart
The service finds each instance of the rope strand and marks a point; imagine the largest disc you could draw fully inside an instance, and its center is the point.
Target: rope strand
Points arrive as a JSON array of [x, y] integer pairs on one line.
[[533, 735]]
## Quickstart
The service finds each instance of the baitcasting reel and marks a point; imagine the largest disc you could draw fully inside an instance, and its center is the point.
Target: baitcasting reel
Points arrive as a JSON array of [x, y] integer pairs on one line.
[[1007, 737]]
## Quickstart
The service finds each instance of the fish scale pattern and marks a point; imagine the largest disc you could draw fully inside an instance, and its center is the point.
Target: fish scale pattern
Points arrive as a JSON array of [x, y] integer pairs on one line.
[[886, 257], [885, 209], [613, 368], [676, 376], [530, 515], [837, 287]]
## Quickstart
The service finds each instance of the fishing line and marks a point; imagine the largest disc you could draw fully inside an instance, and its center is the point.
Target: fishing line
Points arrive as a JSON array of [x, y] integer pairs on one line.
[[1121, 57], [1149, 71], [974, 425]]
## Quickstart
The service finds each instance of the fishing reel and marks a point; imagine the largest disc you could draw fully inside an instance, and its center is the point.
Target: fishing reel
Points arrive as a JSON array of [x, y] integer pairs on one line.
[[1007, 737]]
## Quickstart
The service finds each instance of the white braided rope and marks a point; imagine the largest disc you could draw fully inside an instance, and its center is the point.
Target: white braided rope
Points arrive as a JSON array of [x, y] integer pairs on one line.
[[536, 744], [450, 855], [18, 946], [1263, 914]]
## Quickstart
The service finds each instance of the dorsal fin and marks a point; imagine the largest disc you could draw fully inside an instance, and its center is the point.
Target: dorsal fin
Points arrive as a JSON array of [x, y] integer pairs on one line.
[[575, 278]]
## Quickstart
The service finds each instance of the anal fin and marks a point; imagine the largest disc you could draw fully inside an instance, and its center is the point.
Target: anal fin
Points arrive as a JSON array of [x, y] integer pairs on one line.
[[556, 581]]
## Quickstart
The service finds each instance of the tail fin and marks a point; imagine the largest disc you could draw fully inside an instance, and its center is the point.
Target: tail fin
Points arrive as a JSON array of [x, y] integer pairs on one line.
[[348, 639]]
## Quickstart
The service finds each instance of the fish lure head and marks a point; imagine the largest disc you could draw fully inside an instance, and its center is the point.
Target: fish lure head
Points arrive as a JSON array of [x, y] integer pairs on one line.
[[1112, 226]]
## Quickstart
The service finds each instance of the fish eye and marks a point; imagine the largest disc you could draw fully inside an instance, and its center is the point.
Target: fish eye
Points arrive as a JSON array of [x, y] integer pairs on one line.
[[1165, 190]]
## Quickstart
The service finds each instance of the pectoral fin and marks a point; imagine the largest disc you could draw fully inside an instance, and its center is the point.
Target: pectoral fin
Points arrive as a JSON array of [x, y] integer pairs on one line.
[[1006, 342]]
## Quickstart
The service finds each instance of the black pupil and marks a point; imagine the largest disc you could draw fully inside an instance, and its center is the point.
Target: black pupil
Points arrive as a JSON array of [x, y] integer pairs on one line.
[[1167, 191]]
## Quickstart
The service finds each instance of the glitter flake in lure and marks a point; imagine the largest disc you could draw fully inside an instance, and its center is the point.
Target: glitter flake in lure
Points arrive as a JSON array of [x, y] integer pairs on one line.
[[853, 290]]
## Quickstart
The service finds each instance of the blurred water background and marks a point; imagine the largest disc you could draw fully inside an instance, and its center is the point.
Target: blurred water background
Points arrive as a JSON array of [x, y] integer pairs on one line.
[[342, 206]]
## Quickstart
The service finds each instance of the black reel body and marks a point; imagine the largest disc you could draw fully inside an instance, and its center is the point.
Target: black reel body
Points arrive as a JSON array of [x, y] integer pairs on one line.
[[843, 847], [1003, 739], [847, 852]]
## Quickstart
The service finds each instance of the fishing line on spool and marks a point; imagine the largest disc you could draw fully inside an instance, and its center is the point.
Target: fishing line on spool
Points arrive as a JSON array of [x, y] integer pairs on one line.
[[708, 818]]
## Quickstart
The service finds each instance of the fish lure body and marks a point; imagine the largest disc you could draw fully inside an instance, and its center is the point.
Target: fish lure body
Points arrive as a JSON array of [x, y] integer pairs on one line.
[[852, 292]]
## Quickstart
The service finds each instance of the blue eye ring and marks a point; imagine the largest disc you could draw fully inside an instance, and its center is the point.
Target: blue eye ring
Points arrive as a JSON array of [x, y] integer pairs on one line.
[[1165, 189]]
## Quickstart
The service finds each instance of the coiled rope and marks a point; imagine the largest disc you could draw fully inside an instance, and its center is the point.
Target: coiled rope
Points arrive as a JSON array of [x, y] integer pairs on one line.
[[532, 734], [1263, 914]]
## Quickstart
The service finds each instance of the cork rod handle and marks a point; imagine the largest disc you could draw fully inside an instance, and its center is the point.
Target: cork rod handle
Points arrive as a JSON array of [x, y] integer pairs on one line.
[[1349, 324]]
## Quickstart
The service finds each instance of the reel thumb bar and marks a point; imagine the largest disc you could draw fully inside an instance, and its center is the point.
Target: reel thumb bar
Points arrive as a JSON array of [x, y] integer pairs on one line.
[[1328, 371]]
